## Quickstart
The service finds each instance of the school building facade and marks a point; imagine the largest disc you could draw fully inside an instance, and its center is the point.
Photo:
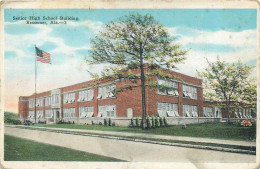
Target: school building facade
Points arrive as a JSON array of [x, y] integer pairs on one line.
[[86, 103]]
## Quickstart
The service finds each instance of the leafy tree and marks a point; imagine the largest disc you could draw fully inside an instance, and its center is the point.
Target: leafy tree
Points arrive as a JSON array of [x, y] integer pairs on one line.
[[132, 41], [249, 95], [225, 81]]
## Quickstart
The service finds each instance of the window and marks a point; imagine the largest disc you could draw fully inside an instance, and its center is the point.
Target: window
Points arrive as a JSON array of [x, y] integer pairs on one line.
[[171, 88], [39, 114], [69, 112], [39, 102], [48, 101], [240, 113], [48, 113], [86, 95], [189, 92], [68, 98], [57, 98], [167, 109], [86, 111], [189, 111], [31, 103], [31, 114], [107, 110], [108, 91], [208, 112]]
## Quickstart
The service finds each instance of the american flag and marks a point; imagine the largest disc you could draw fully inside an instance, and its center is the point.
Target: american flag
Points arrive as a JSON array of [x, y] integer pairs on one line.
[[42, 56]]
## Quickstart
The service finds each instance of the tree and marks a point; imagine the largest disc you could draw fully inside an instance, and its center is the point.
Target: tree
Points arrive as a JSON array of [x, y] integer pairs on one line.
[[249, 95], [225, 82], [132, 41]]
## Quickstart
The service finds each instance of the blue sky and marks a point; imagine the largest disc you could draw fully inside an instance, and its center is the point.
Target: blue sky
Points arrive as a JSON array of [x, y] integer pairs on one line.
[[227, 33]]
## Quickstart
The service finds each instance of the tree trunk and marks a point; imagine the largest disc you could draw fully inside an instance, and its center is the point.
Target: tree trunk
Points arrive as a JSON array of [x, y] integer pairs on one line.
[[143, 95]]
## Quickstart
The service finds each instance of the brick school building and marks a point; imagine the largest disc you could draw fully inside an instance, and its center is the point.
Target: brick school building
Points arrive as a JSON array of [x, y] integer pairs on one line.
[[120, 99]]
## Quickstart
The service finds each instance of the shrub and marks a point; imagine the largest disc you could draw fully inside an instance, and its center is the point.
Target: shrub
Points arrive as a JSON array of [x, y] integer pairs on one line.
[[165, 121], [153, 121], [131, 123], [73, 122], [149, 125], [161, 122], [27, 123], [113, 124], [100, 123], [137, 122], [157, 123], [105, 122], [92, 122], [109, 122]]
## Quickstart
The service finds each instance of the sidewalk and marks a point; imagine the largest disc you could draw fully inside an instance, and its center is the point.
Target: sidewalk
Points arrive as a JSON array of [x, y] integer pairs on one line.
[[178, 138]]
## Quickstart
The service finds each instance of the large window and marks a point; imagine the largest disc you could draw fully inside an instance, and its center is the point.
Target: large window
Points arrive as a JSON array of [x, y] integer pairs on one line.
[[167, 109], [69, 112], [86, 95], [31, 114], [108, 91], [39, 102], [31, 103], [208, 112], [167, 87], [189, 92], [48, 113], [68, 98], [86, 111], [48, 101], [108, 110], [39, 114], [189, 111]]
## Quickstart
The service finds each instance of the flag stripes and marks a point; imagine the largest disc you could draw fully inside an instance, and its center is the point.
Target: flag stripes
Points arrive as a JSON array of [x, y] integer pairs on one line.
[[42, 56]]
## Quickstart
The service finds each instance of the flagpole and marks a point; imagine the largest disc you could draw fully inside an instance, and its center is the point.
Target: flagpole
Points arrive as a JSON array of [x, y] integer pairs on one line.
[[35, 88]]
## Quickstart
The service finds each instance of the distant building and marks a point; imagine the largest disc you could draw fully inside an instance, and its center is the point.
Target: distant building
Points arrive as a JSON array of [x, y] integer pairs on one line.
[[86, 102]]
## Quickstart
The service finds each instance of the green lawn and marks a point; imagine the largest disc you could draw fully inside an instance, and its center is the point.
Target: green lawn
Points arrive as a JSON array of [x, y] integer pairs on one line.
[[209, 130], [16, 149]]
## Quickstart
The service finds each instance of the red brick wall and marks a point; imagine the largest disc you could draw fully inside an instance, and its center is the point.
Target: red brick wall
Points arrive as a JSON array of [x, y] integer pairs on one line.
[[23, 105]]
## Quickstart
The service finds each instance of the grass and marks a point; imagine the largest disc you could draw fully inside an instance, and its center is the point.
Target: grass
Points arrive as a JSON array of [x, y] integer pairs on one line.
[[16, 149], [209, 130], [212, 145]]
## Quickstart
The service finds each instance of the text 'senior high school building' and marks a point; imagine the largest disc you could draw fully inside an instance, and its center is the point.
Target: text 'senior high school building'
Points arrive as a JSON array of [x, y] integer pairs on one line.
[[84, 103]]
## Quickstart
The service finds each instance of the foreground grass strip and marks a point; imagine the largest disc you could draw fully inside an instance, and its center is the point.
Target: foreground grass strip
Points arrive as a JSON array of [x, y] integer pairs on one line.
[[208, 130], [200, 145], [16, 149]]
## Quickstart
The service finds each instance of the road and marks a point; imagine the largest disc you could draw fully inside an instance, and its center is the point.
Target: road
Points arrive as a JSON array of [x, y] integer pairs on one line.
[[128, 150]]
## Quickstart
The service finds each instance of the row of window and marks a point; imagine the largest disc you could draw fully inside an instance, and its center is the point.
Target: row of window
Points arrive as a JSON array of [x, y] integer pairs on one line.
[[171, 110], [245, 113], [168, 87]]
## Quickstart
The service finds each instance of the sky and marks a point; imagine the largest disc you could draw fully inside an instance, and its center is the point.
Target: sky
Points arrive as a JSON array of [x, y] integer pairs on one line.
[[207, 33]]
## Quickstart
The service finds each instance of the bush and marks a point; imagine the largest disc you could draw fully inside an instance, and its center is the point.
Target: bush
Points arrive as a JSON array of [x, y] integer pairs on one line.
[[113, 124], [17, 122], [165, 121], [109, 122], [27, 123], [149, 125], [131, 123], [153, 121], [100, 123], [161, 122], [137, 122], [105, 122], [73, 122], [157, 123]]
